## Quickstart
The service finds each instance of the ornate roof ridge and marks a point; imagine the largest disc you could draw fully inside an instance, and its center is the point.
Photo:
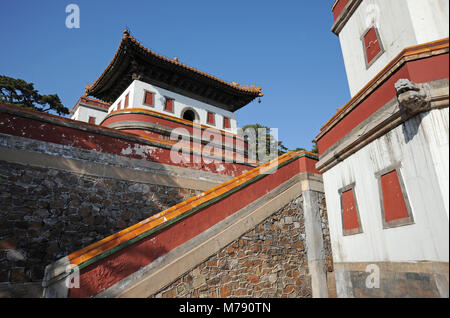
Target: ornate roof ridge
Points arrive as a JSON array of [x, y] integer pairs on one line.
[[127, 37], [96, 100]]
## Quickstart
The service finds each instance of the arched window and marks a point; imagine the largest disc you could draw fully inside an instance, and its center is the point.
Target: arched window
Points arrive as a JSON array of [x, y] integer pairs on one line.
[[189, 114]]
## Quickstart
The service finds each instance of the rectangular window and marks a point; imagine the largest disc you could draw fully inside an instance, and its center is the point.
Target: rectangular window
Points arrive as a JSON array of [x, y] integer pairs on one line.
[[393, 199], [148, 98], [351, 223], [126, 101], [169, 105], [226, 123], [91, 120], [211, 118], [372, 45], [119, 105]]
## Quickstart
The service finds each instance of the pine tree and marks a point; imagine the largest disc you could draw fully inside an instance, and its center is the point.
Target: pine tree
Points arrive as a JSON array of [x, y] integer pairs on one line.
[[23, 94]]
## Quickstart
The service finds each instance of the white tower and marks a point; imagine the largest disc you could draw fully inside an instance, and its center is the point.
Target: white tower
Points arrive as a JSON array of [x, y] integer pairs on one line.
[[373, 32], [384, 155]]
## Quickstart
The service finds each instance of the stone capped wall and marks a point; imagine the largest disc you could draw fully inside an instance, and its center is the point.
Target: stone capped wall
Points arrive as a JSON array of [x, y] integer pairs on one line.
[[268, 261], [48, 213]]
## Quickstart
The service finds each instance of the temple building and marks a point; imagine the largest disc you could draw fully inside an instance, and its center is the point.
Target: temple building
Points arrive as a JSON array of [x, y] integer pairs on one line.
[[89, 110], [384, 155], [147, 94], [96, 205]]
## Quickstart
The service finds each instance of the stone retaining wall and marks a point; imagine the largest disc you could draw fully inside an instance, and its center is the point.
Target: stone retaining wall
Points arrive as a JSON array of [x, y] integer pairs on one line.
[[48, 213], [268, 261]]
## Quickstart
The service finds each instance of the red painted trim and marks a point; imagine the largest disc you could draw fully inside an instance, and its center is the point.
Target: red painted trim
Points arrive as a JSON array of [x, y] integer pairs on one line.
[[101, 105], [338, 7], [419, 71], [112, 269], [399, 60], [85, 136], [95, 102], [169, 124], [211, 150], [308, 165]]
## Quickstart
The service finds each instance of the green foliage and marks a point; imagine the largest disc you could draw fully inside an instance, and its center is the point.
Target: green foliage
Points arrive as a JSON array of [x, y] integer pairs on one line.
[[273, 147], [271, 143], [23, 94], [314, 148]]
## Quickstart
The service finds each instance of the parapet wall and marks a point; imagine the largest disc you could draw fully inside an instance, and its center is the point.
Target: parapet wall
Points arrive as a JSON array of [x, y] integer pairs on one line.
[[34, 125], [65, 184], [145, 258]]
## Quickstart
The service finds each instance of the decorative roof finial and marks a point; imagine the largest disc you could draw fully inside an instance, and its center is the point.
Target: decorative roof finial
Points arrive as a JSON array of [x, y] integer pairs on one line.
[[126, 32]]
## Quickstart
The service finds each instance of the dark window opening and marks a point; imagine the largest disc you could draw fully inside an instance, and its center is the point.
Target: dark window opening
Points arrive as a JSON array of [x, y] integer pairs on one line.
[[189, 115]]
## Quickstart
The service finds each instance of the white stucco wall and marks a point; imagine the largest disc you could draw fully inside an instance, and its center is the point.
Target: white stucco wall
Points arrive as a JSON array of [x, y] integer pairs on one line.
[[421, 146], [400, 23], [83, 113], [136, 98], [429, 19]]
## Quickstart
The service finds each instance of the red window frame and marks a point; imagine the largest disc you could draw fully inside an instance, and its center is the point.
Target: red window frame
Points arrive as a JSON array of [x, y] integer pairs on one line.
[[351, 222], [395, 207], [226, 123], [211, 118], [126, 101], [119, 105], [169, 105], [91, 120], [149, 98], [372, 45]]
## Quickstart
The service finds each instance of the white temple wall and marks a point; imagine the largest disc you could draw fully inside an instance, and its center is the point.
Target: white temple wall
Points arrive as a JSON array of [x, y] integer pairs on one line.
[[400, 24], [83, 113], [420, 145], [136, 98]]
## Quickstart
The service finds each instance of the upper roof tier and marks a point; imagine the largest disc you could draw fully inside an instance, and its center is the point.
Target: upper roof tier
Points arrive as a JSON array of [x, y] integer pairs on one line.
[[134, 61]]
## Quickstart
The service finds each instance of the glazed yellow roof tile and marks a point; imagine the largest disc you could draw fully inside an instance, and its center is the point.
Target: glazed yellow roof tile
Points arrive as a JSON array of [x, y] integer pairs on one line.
[[112, 241]]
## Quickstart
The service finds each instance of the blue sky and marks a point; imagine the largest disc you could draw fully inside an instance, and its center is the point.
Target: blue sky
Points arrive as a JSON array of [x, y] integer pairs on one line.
[[284, 46]]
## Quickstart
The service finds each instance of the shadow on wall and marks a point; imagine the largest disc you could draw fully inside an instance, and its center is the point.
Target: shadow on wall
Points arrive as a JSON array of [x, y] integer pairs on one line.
[[411, 127]]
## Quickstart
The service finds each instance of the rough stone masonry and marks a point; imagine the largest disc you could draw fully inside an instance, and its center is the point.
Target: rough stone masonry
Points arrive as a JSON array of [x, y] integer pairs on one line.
[[47, 213], [268, 261]]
